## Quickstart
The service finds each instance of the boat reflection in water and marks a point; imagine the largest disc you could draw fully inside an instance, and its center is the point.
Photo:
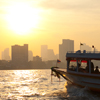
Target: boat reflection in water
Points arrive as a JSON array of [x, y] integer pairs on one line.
[[82, 70]]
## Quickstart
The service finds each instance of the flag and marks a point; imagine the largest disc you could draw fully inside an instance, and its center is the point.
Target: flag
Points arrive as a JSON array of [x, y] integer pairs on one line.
[[92, 46], [58, 61], [81, 44]]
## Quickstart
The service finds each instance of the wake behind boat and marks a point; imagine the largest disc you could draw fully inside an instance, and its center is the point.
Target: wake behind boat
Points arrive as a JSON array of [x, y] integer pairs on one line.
[[82, 69]]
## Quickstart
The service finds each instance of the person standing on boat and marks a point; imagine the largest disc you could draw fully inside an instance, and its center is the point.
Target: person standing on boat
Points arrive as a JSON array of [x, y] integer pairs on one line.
[[96, 70], [87, 67], [92, 67], [79, 67]]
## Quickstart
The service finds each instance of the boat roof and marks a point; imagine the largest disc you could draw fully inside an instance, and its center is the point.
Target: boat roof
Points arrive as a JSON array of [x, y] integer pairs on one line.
[[83, 55]]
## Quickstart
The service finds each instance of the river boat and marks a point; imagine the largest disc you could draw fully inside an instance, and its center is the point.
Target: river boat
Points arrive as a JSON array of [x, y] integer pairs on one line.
[[82, 69]]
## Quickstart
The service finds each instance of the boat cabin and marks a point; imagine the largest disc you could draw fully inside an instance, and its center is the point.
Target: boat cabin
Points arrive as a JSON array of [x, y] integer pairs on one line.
[[83, 62]]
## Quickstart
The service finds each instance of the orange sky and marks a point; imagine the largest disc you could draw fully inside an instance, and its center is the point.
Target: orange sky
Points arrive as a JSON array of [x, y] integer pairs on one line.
[[47, 22]]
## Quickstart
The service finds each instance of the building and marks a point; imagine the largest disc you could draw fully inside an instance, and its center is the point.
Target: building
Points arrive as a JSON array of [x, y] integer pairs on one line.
[[51, 55], [47, 54], [5, 54], [20, 54], [66, 46], [86, 47], [2, 54], [57, 56], [37, 58], [30, 56], [44, 52]]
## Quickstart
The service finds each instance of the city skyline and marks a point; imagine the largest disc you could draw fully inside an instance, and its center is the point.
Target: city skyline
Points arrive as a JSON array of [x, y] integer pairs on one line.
[[54, 56]]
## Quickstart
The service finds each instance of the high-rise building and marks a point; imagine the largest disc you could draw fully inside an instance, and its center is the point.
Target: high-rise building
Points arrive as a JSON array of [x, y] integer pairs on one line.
[[20, 54], [51, 55], [30, 56], [2, 55], [56, 56], [66, 46], [5, 54], [44, 51], [47, 54], [86, 47]]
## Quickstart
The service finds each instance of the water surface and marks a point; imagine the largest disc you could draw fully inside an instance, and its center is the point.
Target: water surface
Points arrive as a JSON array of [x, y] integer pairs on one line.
[[37, 85]]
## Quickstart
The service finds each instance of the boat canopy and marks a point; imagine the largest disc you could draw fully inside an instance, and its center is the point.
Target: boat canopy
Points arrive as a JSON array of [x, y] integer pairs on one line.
[[83, 55]]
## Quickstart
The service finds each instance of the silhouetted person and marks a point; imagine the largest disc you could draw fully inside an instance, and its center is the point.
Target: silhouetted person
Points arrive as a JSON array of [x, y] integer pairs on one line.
[[96, 70], [87, 67], [92, 67], [79, 67]]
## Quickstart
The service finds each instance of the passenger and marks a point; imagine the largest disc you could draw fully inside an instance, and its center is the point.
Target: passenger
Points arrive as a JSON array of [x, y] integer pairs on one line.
[[79, 68], [96, 70], [87, 67], [92, 67], [72, 67]]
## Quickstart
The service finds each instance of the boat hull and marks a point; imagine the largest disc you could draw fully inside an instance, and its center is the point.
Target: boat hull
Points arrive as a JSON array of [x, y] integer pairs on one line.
[[81, 79], [84, 81]]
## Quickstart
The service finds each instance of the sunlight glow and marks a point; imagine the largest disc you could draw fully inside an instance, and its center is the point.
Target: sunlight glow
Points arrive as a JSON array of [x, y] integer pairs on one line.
[[22, 18]]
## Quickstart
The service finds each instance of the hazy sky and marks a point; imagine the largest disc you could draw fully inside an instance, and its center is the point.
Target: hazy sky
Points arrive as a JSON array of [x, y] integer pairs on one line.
[[47, 22]]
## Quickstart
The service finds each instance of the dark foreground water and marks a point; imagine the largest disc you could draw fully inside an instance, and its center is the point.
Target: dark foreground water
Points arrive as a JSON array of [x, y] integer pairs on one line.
[[36, 85]]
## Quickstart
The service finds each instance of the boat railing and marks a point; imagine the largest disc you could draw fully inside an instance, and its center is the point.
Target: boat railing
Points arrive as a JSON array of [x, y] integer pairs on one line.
[[83, 51], [82, 73]]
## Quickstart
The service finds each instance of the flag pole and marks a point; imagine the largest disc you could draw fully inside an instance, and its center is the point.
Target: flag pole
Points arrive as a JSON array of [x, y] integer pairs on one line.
[[94, 49], [56, 63], [51, 75], [80, 46]]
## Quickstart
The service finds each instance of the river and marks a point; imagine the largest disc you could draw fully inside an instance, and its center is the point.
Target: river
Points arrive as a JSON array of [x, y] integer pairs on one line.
[[37, 85]]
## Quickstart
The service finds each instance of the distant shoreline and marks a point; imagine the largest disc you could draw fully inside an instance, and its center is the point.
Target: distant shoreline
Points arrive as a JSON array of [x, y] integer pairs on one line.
[[29, 69]]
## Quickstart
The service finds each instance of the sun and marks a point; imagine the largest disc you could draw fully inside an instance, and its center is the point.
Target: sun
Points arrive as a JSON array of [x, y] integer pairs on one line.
[[22, 18]]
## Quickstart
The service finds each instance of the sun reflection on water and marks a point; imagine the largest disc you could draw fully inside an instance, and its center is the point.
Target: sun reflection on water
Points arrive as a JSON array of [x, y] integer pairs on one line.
[[22, 73], [26, 79], [29, 84]]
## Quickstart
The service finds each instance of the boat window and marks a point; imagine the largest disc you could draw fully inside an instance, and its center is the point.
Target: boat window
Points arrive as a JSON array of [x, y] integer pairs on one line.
[[73, 65], [83, 66]]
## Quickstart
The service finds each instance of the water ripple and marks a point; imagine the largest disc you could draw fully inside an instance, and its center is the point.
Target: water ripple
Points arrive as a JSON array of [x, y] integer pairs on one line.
[[37, 85]]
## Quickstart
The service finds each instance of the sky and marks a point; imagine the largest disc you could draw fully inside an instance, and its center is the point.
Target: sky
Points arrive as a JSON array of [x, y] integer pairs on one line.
[[47, 22]]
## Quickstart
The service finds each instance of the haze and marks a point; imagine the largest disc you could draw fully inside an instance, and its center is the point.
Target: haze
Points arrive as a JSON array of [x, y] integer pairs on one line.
[[47, 22]]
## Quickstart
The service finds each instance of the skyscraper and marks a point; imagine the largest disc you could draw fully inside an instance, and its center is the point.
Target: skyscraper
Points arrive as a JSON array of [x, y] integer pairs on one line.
[[51, 55], [30, 56], [5, 54], [44, 52], [2, 54], [86, 47], [20, 54], [66, 46]]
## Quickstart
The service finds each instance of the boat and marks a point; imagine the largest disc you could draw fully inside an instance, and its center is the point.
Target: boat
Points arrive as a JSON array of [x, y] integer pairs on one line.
[[82, 69]]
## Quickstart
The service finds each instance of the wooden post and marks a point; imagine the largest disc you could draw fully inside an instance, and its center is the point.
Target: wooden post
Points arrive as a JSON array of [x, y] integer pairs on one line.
[[89, 66], [67, 65], [77, 66], [56, 64]]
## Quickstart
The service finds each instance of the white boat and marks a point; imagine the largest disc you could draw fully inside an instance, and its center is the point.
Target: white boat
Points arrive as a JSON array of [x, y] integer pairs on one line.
[[82, 69]]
